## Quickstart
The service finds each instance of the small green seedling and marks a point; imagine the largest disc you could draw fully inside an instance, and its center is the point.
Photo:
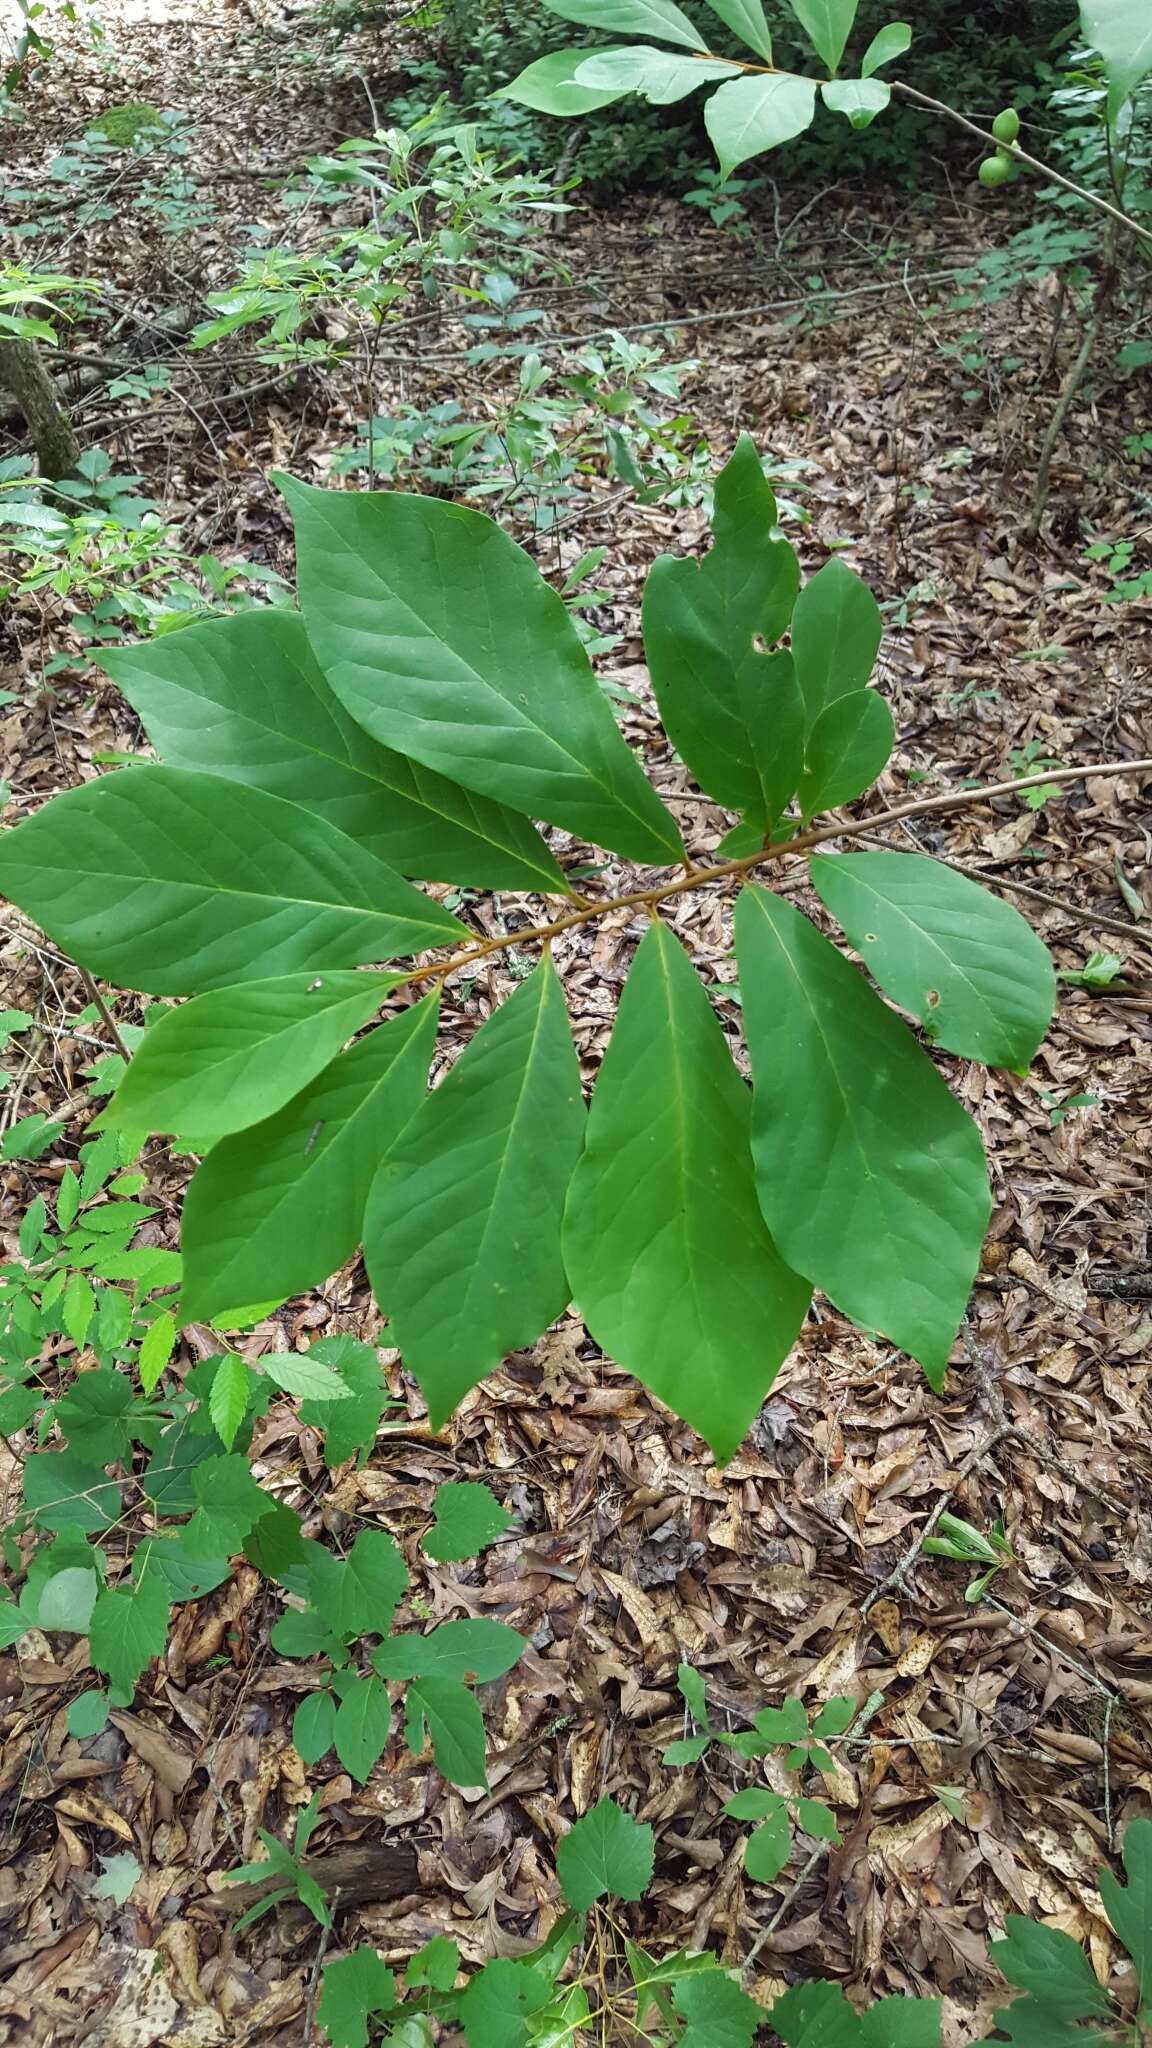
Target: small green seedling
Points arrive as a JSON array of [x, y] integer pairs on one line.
[[1102, 973], [960, 1540], [287, 1865]]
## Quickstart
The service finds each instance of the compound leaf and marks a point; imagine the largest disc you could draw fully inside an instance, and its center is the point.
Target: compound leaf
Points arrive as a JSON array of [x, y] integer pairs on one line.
[[462, 1230], [606, 1854], [768, 1847], [870, 1175], [836, 633], [964, 962], [667, 1250], [164, 881], [245, 697], [235, 1056], [276, 1209], [440, 636]]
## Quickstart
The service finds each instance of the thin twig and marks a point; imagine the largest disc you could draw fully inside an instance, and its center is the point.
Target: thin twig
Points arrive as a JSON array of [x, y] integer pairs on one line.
[[314, 1979], [766, 1933], [94, 996]]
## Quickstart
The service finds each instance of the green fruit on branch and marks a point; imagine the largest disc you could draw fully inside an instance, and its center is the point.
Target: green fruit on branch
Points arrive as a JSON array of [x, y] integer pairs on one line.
[[1006, 126], [996, 170]]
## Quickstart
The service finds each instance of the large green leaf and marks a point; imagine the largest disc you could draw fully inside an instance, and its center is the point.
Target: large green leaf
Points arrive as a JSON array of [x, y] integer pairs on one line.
[[606, 1854], [659, 18], [836, 632], [129, 1627], [870, 1175], [964, 962], [827, 25], [356, 1988], [1129, 1907], [1048, 1963], [361, 1725], [1122, 32], [750, 115], [169, 882], [442, 638], [733, 711], [858, 99], [667, 1252], [235, 1056], [846, 749], [349, 1425], [550, 85], [662, 76], [455, 1724], [457, 1649], [887, 44], [245, 697], [278, 1208], [462, 1230], [359, 1593], [746, 19]]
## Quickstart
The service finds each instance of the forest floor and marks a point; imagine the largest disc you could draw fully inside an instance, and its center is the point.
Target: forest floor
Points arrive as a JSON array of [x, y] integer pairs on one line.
[[1012, 1737]]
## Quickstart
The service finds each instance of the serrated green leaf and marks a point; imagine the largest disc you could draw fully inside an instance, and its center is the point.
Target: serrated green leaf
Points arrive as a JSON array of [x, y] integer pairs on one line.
[[884, 1201], [229, 1502], [32, 1228], [119, 1876], [303, 1374], [1129, 1908], [361, 1725], [232, 1058], [768, 1848], [303, 1634], [827, 24], [462, 1229], [750, 115], [164, 881], [456, 1726], [659, 18], [156, 1348], [93, 1414], [228, 1400], [849, 744], [67, 1199], [718, 2013], [746, 19], [14, 1623], [359, 1593], [436, 1964], [549, 85], [733, 712], [275, 1546], [858, 99], [668, 1255], [888, 42], [902, 2023], [282, 1205], [245, 697], [496, 2005], [468, 1517], [129, 1626], [349, 1424], [442, 638], [187, 1576], [606, 1854], [818, 2015], [1049, 1964], [457, 1649], [965, 963], [836, 634], [78, 1307], [661, 76], [354, 1989]]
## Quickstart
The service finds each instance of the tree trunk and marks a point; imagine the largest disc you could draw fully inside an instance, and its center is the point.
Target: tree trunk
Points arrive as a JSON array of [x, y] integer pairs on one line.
[[23, 374]]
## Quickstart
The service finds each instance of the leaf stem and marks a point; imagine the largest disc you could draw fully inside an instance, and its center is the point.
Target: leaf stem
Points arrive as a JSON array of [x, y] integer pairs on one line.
[[845, 828]]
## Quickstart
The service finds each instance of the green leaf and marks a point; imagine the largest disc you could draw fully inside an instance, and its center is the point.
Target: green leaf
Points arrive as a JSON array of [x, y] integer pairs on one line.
[[350, 1423], [746, 19], [496, 2005], [129, 1627], [457, 1649], [186, 1576], [78, 1308], [67, 1196], [827, 24], [87, 1715], [768, 1848], [788, 1723], [1130, 1908], [305, 1375], [606, 1854], [228, 1400], [661, 76], [734, 713], [719, 2014], [246, 698], [361, 1725], [302, 1634], [462, 1229], [847, 747], [690, 1686], [442, 638], [275, 1546], [964, 962], [232, 1058], [904, 2023], [354, 1989], [467, 1518], [229, 1502], [667, 1252], [456, 1726], [749, 115], [156, 1348], [817, 1819], [549, 85], [361, 1592], [61, 1488], [835, 1716], [32, 1228], [688, 1750], [836, 634], [166, 882], [93, 1415], [436, 1964], [119, 1876], [817, 2015], [1050, 1965], [871, 1176], [659, 18], [886, 44], [68, 1599], [859, 99], [755, 1802], [14, 1623], [281, 1206], [1121, 30]]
